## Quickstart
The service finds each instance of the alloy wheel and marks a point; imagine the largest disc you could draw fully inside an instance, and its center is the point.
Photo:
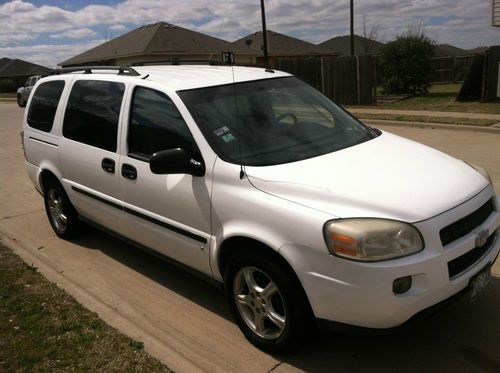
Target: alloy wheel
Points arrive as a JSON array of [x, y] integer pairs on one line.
[[259, 302], [56, 209]]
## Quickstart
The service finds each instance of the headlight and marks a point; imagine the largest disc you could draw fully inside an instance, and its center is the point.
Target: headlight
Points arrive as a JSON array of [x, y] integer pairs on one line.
[[370, 239], [482, 171]]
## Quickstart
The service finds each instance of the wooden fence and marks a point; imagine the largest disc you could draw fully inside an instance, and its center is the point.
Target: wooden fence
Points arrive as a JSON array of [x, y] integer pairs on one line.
[[346, 80], [450, 69]]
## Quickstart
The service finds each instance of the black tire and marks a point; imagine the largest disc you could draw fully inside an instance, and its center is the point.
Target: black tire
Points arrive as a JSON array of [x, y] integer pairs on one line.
[[61, 214], [20, 102], [291, 304]]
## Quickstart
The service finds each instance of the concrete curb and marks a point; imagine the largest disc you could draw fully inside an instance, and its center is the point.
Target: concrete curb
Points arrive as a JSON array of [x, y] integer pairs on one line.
[[445, 126], [424, 113]]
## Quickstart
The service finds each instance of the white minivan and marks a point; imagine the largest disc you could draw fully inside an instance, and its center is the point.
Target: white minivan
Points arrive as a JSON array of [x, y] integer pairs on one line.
[[256, 180]]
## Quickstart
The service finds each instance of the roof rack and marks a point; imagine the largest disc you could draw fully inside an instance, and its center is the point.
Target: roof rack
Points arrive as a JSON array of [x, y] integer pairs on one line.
[[178, 61], [227, 58], [122, 70]]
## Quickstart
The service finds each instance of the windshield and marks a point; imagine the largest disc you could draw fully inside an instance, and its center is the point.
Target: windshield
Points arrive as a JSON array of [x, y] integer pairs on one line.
[[271, 121]]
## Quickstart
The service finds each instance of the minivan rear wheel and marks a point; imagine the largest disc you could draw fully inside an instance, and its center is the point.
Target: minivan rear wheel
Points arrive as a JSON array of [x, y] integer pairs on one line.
[[267, 303], [62, 215]]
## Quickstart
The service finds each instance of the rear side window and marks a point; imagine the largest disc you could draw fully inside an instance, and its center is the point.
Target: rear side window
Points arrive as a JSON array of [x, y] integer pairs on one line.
[[43, 105], [92, 113], [156, 124]]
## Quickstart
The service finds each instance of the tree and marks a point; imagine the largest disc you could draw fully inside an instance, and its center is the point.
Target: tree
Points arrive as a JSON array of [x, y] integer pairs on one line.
[[366, 42], [406, 62]]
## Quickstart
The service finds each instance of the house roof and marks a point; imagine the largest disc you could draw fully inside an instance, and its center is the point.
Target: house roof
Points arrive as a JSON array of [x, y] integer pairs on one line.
[[156, 38], [444, 50], [477, 50], [281, 45], [18, 67], [362, 45], [4, 61]]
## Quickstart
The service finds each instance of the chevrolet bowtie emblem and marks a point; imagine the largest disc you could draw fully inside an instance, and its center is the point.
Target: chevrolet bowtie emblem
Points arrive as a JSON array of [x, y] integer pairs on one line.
[[482, 237]]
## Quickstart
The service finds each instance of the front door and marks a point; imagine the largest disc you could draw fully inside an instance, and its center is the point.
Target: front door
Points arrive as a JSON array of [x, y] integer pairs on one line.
[[168, 213]]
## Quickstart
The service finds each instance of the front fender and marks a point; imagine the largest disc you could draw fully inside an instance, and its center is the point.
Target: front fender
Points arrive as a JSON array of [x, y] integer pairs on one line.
[[244, 229]]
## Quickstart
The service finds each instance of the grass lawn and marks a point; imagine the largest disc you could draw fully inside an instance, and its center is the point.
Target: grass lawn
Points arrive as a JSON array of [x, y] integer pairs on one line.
[[42, 328], [428, 119], [441, 98], [7, 95]]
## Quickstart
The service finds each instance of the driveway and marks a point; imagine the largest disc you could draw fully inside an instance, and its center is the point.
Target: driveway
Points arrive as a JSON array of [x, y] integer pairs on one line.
[[184, 321]]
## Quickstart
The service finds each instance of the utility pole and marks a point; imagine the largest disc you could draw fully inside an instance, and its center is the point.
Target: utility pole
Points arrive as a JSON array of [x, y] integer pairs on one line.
[[352, 27], [264, 33]]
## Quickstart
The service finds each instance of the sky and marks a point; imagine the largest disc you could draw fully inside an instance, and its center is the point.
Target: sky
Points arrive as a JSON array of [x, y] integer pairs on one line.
[[49, 31]]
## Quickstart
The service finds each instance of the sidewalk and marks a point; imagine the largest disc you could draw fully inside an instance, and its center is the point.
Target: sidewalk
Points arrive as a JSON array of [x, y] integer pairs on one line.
[[425, 113]]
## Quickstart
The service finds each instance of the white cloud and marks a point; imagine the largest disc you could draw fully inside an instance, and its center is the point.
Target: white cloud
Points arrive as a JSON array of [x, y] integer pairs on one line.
[[6, 39], [48, 54], [464, 23], [118, 27], [75, 34]]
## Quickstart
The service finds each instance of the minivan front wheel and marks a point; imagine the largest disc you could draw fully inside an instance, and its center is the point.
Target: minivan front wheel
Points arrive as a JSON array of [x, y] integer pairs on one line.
[[62, 215], [267, 303], [20, 101], [259, 302]]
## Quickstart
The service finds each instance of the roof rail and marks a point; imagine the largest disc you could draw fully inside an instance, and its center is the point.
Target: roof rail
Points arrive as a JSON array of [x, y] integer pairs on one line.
[[178, 61], [122, 70]]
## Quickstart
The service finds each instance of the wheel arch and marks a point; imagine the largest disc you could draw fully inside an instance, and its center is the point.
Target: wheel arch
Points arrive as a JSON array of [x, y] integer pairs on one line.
[[239, 244], [45, 175]]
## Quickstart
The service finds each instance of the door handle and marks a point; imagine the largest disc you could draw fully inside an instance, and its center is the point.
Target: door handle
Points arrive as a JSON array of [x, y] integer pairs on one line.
[[108, 165], [129, 171]]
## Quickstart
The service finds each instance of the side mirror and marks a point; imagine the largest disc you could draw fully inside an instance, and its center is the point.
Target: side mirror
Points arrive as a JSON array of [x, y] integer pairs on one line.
[[175, 161]]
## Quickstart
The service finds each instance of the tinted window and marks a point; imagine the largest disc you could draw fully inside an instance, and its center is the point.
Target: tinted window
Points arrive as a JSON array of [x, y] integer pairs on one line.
[[92, 113], [44, 105], [155, 124]]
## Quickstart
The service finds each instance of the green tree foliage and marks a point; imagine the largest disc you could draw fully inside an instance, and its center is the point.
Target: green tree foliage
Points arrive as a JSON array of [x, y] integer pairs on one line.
[[406, 62]]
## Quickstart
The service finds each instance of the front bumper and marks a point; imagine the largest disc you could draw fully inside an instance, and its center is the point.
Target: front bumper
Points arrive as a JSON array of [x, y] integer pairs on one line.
[[360, 294]]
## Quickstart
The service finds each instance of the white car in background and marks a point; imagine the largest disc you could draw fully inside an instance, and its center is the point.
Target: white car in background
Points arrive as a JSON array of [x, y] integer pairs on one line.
[[259, 182], [23, 93]]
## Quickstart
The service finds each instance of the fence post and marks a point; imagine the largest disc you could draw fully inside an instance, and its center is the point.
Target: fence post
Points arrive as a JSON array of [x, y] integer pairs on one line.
[[484, 82], [375, 81], [322, 75], [358, 81], [454, 71]]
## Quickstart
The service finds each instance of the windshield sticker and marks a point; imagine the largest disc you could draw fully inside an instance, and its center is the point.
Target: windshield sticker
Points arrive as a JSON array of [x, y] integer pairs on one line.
[[228, 138], [221, 131]]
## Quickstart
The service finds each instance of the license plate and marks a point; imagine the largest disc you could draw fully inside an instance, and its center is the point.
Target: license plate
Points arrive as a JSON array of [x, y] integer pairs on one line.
[[479, 281]]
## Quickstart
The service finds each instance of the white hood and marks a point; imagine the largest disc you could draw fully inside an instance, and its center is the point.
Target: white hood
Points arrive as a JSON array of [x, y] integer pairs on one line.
[[388, 177]]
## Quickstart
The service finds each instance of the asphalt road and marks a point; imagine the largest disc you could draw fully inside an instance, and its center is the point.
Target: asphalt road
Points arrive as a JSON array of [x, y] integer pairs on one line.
[[184, 321]]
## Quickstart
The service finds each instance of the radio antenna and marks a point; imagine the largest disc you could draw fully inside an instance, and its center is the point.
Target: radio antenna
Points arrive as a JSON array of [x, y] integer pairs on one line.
[[242, 172]]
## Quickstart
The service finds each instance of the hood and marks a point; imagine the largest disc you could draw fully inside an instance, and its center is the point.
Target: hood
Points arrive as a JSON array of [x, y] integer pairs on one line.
[[387, 177]]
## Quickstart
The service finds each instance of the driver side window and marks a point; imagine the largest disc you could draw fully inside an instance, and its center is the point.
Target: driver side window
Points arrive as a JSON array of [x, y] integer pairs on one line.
[[302, 110], [155, 124]]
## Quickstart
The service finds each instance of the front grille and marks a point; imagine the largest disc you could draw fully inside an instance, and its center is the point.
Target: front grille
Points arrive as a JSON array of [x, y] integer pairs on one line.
[[465, 225], [467, 260]]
